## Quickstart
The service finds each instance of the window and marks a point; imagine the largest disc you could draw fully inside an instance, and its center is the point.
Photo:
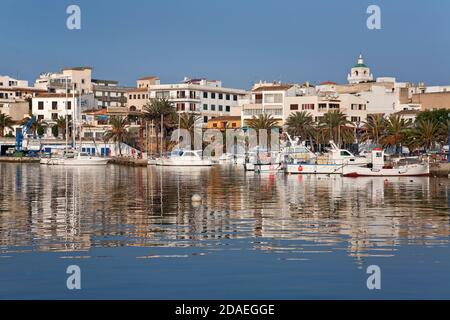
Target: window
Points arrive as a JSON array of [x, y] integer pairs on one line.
[[233, 125], [54, 116], [220, 96], [356, 119], [192, 107], [213, 95], [334, 106], [205, 107], [322, 106], [181, 94], [227, 97], [273, 98], [180, 107], [308, 106], [205, 95], [227, 108], [235, 97], [54, 105], [214, 125], [294, 106], [213, 107], [40, 117], [220, 108], [69, 105], [205, 119], [41, 105]]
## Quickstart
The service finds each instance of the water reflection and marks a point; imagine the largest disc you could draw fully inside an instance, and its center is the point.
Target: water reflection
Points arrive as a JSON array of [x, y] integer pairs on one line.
[[76, 209]]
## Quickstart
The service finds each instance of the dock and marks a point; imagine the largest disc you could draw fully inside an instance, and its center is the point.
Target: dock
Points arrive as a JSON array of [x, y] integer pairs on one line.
[[18, 160], [127, 161]]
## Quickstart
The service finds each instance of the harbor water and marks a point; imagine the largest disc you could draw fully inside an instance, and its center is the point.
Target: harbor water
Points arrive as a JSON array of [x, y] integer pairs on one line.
[[136, 233]]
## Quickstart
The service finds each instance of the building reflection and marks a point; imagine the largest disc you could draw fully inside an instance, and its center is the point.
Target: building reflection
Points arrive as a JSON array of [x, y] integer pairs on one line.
[[75, 209]]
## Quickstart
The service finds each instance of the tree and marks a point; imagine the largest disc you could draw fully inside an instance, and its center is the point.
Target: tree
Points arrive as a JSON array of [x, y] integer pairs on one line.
[[188, 122], [6, 122], [374, 128], [118, 132], [263, 122], [301, 124], [426, 133], [333, 124], [395, 131], [61, 125], [55, 131], [157, 109]]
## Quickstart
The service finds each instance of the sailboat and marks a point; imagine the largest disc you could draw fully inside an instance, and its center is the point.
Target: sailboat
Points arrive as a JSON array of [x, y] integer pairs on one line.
[[75, 158]]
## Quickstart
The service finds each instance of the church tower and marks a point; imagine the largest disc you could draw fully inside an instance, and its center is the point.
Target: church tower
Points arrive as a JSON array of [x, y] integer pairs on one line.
[[360, 72]]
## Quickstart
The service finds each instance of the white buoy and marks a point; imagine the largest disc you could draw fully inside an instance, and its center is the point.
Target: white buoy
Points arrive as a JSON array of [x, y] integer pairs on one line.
[[196, 198]]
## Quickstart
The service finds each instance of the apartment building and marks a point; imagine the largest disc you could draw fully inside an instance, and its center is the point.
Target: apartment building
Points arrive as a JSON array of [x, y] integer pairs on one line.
[[50, 106], [207, 98], [273, 99], [108, 94], [78, 79], [9, 82]]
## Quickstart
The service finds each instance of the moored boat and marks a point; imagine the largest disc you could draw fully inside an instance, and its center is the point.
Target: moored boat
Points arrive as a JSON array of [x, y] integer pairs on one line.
[[184, 158], [379, 168]]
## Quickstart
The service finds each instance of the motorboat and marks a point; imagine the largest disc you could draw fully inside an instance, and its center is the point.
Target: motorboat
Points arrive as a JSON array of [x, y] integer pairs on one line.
[[184, 158], [304, 161], [395, 168]]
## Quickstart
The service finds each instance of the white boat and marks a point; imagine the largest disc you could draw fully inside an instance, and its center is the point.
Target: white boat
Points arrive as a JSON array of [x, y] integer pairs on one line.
[[80, 159], [228, 158], [408, 167], [304, 161], [184, 158]]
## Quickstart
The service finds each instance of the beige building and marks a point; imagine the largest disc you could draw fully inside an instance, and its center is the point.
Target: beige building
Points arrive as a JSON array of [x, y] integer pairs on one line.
[[429, 101]]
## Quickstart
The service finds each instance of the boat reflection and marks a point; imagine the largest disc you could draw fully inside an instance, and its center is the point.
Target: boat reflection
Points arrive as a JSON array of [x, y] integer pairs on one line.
[[75, 209]]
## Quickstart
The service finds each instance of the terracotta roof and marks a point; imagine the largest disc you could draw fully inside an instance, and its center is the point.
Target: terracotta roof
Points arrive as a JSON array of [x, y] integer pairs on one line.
[[138, 90], [328, 83], [274, 87], [149, 78], [23, 89], [53, 95], [226, 118]]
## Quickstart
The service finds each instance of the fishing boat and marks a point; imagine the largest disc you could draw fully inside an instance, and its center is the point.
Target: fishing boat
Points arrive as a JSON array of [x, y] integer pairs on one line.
[[378, 167], [184, 158], [304, 161]]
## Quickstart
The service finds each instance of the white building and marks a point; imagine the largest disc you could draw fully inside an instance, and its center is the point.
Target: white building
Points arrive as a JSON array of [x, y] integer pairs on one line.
[[208, 98], [78, 79], [50, 106], [8, 82]]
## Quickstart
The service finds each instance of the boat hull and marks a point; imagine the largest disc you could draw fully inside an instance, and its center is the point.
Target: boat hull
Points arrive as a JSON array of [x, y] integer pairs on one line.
[[268, 168], [405, 171], [314, 168], [74, 162], [183, 163]]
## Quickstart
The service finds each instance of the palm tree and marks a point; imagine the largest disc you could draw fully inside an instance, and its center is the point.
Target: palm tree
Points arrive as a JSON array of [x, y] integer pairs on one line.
[[38, 126], [160, 110], [334, 125], [395, 131], [301, 124], [5, 122], [188, 122], [61, 125], [374, 128], [263, 122], [118, 132], [426, 133]]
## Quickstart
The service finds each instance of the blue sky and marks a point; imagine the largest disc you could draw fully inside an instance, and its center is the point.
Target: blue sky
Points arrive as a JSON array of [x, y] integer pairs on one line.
[[236, 41]]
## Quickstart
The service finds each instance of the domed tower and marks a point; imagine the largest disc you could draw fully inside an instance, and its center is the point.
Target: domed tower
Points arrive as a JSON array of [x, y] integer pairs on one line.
[[360, 72]]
